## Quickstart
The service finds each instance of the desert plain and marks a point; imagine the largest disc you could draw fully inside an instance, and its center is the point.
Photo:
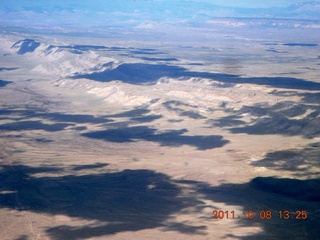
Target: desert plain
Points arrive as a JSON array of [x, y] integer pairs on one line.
[[106, 137]]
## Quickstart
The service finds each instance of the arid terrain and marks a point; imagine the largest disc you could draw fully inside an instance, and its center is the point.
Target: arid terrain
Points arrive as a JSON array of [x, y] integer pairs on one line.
[[105, 138]]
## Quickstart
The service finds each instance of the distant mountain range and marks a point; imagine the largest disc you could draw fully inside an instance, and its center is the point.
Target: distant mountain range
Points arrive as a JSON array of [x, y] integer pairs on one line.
[[131, 13], [264, 23]]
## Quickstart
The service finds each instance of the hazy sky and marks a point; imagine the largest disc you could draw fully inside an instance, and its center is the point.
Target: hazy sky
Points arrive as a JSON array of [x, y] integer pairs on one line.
[[122, 3], [255, 3], [101, 12]]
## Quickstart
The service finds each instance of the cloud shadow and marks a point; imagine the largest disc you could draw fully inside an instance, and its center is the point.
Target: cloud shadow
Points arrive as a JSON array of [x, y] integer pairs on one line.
[[7, 69], [274, 194], [33, 125], [4, 83], [26, 46], [298, 161], [183, 109], [142, 73], [130, 200], [89, 166], [228, 121], [171, 138], [133, 200], [286, 118]]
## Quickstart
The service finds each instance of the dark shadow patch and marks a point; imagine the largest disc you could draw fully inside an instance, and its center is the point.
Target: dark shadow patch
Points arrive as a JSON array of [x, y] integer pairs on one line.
[[298, 161], [300, 44], [23, 237], [310, 97], [130, 200], [172, 104], [284, 93], [274, 194], [186, 229], [25, 46], [306, 97], [299, 190], [290, 73], [89, 166], [273, 50], [279, 119], [148, 118], [117, 48], [175, 120], [122, 124], [228, 121], [289, 160], [133, 200], [83, 47], [281, 82], [134, 73], [191, 114], [43, 140], [145, 51], [33, 125], [4, 83], [278, 124], [7, 69], [195, 64], [75, 51], [258, 110], [290, 109], [56, 116], [72, 118], [131, 113], [141, 73], [15, 112], [23, 169], [159, 59], [172, 138], [181, 109], [79, 128]]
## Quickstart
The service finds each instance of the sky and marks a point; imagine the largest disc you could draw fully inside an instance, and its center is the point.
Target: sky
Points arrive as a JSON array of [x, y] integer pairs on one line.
[[255, 3], [135, 12], [121, 3]]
